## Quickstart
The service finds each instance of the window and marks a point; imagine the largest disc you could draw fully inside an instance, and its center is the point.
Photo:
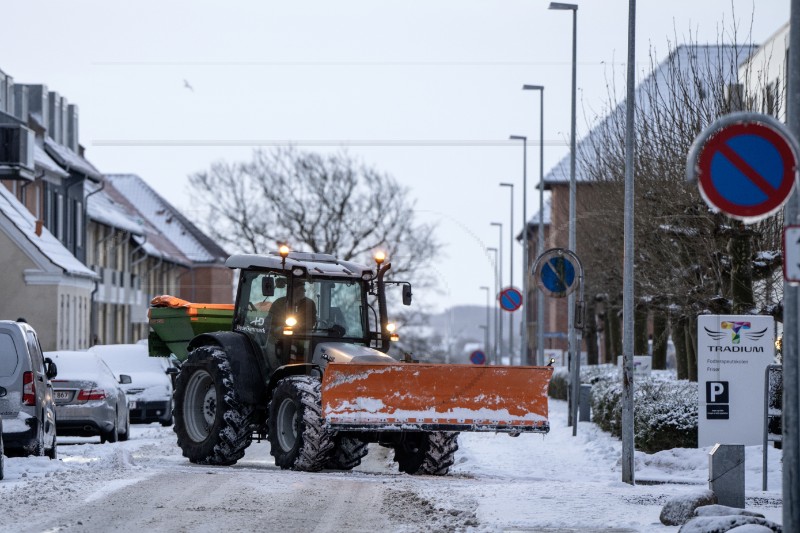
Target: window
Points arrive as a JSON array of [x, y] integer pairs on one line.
[[9, 357]]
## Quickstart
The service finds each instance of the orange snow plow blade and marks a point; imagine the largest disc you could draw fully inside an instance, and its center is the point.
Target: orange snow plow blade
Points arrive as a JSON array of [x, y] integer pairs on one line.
[[430, 397]]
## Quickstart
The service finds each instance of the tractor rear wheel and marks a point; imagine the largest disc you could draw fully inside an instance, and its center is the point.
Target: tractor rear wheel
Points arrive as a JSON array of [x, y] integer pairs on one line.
[[212, 424], [424, 452], [296, 436], [347, 453]]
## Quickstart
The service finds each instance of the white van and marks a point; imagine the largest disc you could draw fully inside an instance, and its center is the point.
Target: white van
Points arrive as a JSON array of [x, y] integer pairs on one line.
[[26, 394]]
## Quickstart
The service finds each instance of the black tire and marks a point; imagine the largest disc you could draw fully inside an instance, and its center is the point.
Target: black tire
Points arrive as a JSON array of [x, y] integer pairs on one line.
[[112, 435], [2, 457], [347, 453], [125, 435], [431, 453], [212, 424], [296, 435]]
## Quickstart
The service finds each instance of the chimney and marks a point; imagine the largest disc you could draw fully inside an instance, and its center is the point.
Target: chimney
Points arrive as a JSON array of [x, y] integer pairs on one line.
[[54, 112], [72, 127], [62, 137], [37, 103], [21, 102], [3, 92]]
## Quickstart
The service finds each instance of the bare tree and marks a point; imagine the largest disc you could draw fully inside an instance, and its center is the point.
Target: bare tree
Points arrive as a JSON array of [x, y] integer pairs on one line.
[[689, 260], [318, 203]]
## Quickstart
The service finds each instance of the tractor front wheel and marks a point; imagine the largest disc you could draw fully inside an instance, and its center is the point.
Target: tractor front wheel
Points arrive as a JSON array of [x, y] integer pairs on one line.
[[426, 452]]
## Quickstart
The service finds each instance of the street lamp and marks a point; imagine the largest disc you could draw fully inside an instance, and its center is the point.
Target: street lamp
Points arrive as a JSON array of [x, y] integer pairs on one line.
[[511, 272], [574, 351], [500, 282], [496, 314], [523, 356], [540, 243], [486, 340]]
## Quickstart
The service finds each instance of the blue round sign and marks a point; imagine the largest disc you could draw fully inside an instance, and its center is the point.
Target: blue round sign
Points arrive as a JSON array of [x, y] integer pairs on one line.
[[477, 357], [556, 273], [510, 299]]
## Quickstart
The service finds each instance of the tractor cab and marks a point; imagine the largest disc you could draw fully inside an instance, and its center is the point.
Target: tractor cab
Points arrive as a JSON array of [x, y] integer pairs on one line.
[[286, 306]]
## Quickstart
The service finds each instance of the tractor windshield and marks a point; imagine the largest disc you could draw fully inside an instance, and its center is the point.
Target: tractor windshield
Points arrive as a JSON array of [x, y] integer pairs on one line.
[[339, 304]]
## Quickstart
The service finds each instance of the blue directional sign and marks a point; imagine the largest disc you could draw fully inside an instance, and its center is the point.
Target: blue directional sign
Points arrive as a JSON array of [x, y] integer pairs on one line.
[[556, 274], [477, 357], [510, 299]]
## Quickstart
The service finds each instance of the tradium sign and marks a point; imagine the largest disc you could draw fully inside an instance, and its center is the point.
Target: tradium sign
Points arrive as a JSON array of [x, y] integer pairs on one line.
[[733, 352]]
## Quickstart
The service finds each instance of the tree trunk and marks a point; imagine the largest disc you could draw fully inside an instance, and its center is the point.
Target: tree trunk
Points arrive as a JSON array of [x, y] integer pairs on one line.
[[679, 338], [590, 335], [691, 347], [660, 335], [740, 248], [614, 334], [640, 330]]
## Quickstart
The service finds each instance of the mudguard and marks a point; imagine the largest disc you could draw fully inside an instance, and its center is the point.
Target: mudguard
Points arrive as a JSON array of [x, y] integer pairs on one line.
[[434, 397], [245, 368]]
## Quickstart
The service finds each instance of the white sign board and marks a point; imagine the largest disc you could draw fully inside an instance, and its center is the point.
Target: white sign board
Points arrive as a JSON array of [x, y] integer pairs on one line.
[[733, 352], [642, 365], [791, 254]]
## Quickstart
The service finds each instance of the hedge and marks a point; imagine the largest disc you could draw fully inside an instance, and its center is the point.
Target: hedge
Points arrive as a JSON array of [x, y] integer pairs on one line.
[[665, 409]]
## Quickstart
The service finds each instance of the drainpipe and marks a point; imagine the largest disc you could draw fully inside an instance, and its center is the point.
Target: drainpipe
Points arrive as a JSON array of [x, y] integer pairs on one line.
[[93, 306]]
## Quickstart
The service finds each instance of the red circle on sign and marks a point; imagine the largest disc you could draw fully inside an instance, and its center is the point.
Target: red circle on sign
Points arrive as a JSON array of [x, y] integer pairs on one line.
[[717, 145], [510, 299]]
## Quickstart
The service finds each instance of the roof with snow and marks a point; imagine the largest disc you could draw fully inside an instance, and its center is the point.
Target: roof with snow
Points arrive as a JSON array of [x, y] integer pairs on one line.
[[108, 206], [167, 220], [727, 58], [69, 160], [22, 221], [46, 163]]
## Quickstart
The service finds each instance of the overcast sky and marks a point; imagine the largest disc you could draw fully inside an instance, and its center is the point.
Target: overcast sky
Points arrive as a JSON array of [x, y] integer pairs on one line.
[[328, 74]]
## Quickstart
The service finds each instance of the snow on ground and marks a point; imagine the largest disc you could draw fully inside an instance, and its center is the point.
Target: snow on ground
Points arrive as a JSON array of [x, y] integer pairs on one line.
[[555, 482]]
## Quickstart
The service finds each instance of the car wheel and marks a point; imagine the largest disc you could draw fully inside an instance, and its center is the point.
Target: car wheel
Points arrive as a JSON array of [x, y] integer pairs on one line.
[[2, 457], [111, 436], [52, 453], [126, 433]]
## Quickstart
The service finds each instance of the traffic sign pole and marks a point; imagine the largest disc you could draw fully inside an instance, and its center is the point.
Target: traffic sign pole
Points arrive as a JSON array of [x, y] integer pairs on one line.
[[791, 311]]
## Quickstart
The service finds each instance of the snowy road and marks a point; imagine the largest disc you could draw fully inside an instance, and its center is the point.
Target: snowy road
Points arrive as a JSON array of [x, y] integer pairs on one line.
[[556, 483]]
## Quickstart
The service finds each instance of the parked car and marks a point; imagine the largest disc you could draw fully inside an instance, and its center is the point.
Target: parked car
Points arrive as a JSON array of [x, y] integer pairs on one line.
[[26, 395], [150, 390], [2, 457], [89, 398]]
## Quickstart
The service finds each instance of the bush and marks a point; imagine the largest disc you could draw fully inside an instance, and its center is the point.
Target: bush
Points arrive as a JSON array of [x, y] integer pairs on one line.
[[665, 409]]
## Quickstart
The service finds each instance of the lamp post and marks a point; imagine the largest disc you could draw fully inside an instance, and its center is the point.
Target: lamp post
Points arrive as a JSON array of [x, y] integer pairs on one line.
[[496, 314], [540, 243], [486, 340], [574, 351], [524, 359], [511, 273], [500, 282]]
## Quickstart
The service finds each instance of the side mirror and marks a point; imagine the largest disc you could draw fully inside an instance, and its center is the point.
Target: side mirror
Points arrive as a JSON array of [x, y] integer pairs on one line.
[[407, 294], [50, 368], [172, 371], [124, 379], [268, 286]]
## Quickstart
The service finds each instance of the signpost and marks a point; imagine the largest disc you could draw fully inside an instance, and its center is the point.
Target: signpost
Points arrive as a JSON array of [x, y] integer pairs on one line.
[[558, 272], [745, 165]]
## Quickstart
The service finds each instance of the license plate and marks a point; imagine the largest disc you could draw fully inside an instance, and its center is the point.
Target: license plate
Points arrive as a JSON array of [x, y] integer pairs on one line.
[[62, 395]]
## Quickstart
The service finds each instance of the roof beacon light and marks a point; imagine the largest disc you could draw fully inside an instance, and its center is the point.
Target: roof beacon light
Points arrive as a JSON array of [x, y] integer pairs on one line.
[[391, 327], [291, 321], [283, 250], [380, 257]]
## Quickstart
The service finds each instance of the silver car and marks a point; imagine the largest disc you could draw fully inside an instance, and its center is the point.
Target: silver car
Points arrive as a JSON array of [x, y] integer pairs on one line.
[[89, 399], [150, 390], [26, 393]]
